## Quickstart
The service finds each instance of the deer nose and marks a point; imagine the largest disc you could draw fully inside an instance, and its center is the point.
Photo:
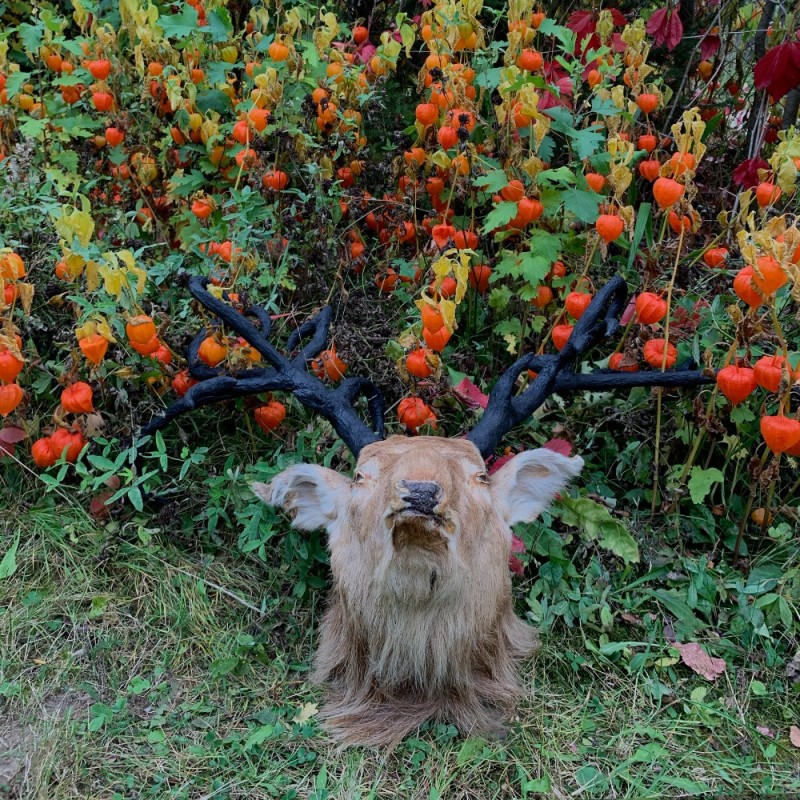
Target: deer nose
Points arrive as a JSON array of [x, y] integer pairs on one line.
[[422, 496]]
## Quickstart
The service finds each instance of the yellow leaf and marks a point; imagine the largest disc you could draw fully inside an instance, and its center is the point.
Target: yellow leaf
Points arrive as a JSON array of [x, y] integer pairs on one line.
[[25, 292], [308, 711], [73, 223], [511, 342], [447, 308], [92, 277], [114, 281]]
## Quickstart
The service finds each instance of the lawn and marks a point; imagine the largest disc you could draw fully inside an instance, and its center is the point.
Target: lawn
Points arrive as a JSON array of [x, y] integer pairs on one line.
[[136, 663]]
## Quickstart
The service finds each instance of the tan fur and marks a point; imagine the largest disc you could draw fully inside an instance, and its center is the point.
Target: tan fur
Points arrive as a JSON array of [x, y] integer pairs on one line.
[[420, 621]]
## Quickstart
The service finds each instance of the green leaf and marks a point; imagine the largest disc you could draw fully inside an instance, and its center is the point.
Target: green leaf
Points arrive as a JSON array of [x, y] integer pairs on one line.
[[179, 26], [468, 750], [15, 81], [511, 331], [183, 185], [586, 142], [678, 607], [499, 298], [546, 245], [596, 522], [488, 79], [135, 496], [548, 27], [582, 204], [603, 107], [213, 100], [642, 220], [8, 566], [493, 181], [219, 24], [31, 37], [500, 215], [563, 176], [259, 736], [701, 481]]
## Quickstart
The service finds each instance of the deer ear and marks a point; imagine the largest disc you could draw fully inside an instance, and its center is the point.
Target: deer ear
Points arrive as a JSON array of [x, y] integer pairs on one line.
[[525, 486], [311, 494]]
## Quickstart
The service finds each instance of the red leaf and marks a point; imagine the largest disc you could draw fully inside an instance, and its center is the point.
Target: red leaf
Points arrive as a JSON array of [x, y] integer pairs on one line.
[[746, 174], [469, 393], [516, 566], [365, 52], [12, 435], [499, 462], [709, 47], [665, 27], [582, 23], [517, 545], [778, 70], [561, 446]]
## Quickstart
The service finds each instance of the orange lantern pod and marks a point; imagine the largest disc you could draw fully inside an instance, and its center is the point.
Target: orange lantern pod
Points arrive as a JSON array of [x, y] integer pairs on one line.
[[78, 398]]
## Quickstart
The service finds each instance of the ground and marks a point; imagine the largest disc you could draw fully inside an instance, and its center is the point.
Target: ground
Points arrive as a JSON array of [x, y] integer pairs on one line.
[[135, 666]]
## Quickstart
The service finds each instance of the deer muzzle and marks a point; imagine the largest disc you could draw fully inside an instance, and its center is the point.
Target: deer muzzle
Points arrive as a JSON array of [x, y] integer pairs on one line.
[[419, 497]]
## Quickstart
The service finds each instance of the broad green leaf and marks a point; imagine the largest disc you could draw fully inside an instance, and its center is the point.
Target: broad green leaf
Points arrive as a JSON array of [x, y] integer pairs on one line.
[[595, 522], [213, 100], [701, 481], [603, 107], [584, 205], [15, 81], [493, 181], [179, 26], [563, 176], [259, 736], [488, 79], [31, 37], [500, 215], [586, 142], [219, 24]]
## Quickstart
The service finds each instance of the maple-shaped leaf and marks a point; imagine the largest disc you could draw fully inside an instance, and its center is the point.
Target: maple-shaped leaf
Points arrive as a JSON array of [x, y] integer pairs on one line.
[[584, 25], [778, 70], [746, 174], [709, 46], [665, 27]]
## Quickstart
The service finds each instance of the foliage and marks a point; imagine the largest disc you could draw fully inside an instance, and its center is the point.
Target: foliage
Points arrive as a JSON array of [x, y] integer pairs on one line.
[[446, 175]]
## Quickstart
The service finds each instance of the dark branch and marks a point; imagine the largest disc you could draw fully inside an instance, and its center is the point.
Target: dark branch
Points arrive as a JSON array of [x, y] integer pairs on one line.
[[556, 373], [283, 374]]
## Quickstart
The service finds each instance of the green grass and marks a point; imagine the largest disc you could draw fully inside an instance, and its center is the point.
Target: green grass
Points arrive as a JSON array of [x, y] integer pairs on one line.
[[133, 666]]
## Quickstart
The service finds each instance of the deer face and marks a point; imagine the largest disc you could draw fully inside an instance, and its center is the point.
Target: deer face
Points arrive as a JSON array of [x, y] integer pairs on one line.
[[420, 511]]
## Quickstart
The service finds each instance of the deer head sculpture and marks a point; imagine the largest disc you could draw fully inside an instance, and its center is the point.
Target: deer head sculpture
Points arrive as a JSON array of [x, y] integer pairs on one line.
[[420, 621]]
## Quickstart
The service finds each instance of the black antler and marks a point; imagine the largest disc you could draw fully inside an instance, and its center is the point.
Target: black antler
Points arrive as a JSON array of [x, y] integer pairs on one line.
[[556, 372], [283, 374]]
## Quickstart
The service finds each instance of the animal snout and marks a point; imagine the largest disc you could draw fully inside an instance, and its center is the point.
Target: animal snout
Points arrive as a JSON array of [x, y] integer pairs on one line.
[[421, 496]]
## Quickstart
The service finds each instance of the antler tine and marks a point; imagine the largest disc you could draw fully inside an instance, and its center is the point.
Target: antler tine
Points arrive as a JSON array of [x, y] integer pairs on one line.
[[282, 374], [236, 321], [319, 326], [555, 373]]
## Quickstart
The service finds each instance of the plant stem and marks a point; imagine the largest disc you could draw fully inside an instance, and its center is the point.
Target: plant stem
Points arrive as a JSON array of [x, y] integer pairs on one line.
[[654, 503]]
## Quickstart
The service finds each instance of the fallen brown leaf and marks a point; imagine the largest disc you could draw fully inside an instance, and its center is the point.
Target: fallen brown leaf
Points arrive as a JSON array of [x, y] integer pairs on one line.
[[699, 661]]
